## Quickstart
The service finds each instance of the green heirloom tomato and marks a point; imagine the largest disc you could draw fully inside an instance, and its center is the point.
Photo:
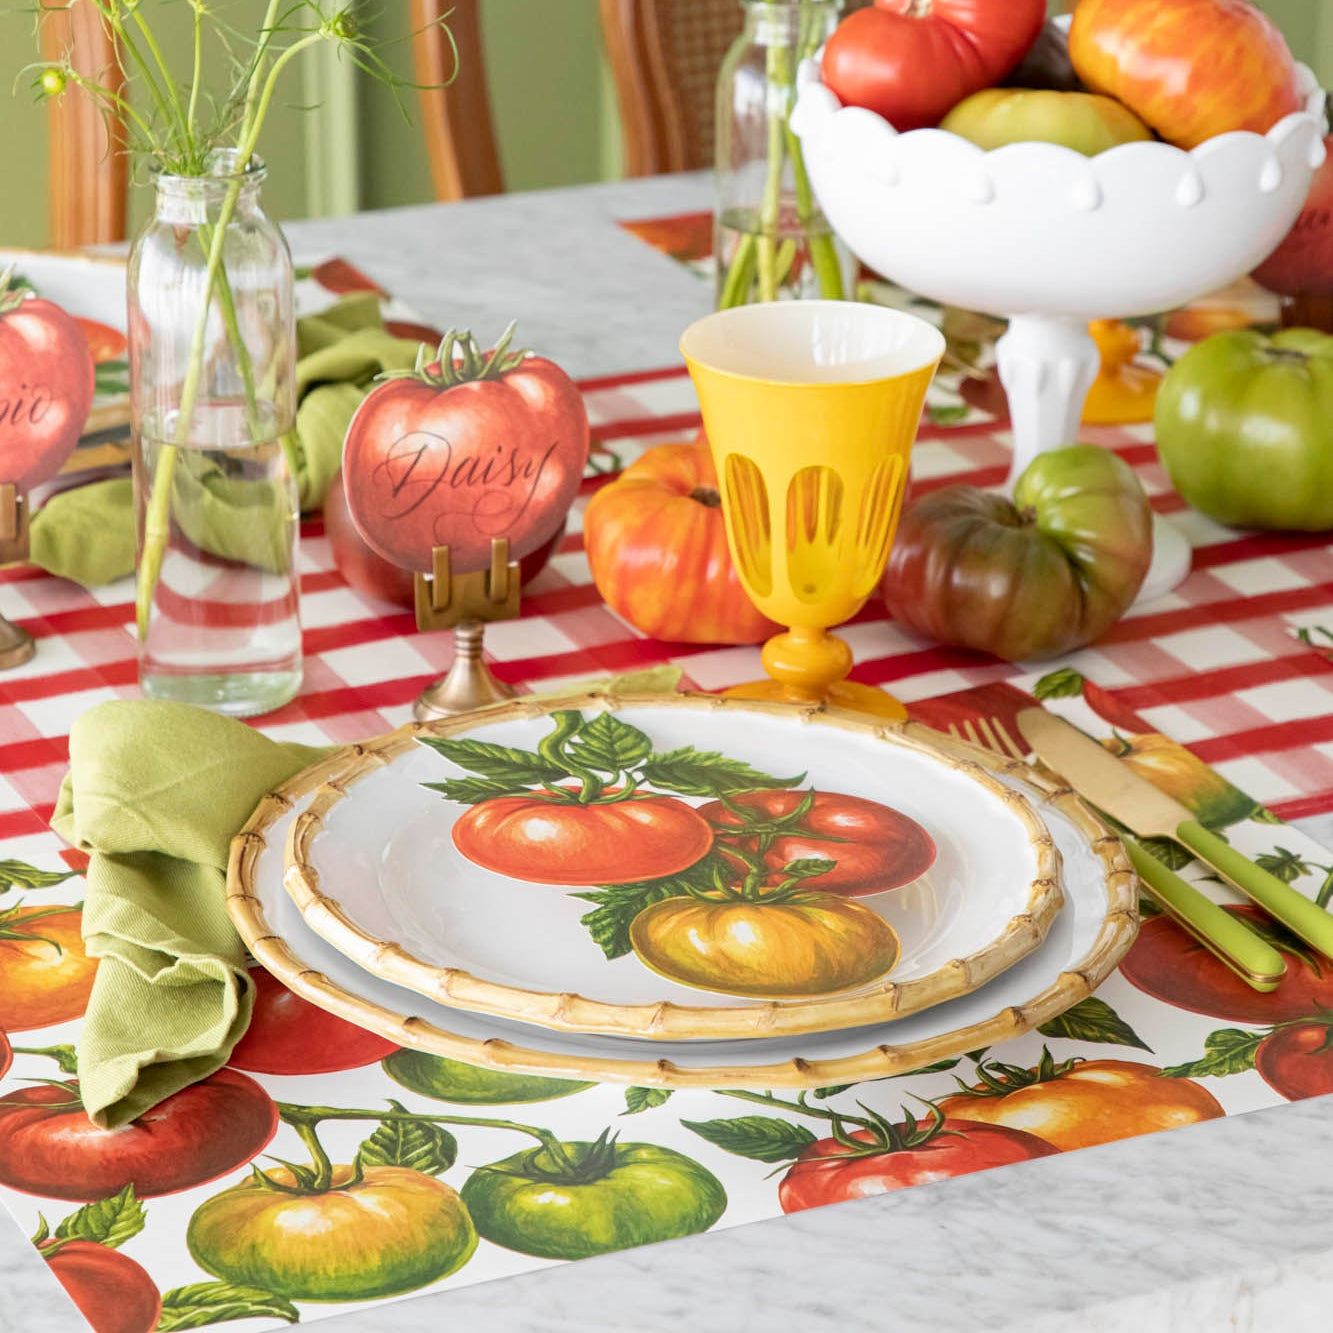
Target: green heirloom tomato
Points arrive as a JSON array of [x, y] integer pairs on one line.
[[1034, 577], [453, 1081], [392, 1230], [1086, 122], [1245, 428], [572, 1200]]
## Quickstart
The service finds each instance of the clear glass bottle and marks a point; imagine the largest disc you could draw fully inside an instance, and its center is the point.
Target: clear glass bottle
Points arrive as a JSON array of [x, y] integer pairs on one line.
[[771, 240], [212, 342]]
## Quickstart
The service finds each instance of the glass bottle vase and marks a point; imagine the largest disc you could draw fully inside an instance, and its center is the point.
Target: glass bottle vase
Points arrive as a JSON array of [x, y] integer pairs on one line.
[[771, 240], [212, 344]]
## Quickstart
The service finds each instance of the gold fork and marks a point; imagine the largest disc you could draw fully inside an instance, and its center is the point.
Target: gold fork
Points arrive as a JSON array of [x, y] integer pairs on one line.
[[1251, 958]]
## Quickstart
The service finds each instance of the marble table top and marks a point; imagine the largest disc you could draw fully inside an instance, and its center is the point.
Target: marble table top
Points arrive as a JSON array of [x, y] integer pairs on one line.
[[1223, 1225]]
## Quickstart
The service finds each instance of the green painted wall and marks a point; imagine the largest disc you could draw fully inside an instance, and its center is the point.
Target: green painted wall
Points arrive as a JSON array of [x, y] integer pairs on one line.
[[553, 105]]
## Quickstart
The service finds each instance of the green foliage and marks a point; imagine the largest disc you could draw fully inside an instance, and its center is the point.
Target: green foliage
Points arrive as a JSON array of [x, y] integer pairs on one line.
[[761, 1138]]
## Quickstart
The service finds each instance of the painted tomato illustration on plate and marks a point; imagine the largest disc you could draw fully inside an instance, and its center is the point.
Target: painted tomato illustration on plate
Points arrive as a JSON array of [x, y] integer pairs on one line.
[[766, 938], [1170, 965], [46, 387], [113, 1293], [45, 975], [289, 1035], [872, 846], [573, 1200], [473, 447], [858, 1163], [558, 840], [373, 1232], [49, 1146], [1080, 1103]]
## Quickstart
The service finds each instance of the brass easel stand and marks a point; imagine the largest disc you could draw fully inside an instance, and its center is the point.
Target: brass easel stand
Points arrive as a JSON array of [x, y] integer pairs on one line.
[[465, 602], [16, 645]]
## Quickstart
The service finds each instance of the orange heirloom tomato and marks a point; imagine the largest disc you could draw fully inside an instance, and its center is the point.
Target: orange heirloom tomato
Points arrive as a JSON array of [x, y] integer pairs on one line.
[[1191, 69], [45, 976], [1080, 1104], [548, 841], [800, 944], [657, 548], [1171, 768], [104, 342]]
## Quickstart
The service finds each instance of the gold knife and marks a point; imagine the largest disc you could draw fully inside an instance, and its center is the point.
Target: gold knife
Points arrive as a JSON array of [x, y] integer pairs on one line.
[[1109, 784]]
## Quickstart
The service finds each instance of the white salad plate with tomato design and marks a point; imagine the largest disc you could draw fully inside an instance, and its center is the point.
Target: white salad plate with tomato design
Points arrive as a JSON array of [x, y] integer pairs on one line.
[[1087, 939], [673, 868]]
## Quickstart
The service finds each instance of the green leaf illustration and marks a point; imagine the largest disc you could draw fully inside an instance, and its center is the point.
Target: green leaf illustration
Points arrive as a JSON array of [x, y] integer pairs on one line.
[[1169, 852], [1093, 1020], [412, 1143], [110, 1222], [111, 379], [1226, 1051], [947, 414], [1286, 865], [609, 745], [939, 1067], [471, 791], [617, 906], [692, 772], [1066, 683], [761, 1138], [515, 768], [644, 1099], [20, 875], [213, 1302], [833, 1089]]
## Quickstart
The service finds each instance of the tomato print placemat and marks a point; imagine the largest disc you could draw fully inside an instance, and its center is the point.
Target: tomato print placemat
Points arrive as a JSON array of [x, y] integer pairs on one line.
[[417, 1174]]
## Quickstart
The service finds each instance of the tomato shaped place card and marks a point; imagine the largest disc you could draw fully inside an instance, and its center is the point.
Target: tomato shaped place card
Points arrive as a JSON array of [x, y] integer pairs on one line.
[[672, 868], [470, 448], [46, 387]]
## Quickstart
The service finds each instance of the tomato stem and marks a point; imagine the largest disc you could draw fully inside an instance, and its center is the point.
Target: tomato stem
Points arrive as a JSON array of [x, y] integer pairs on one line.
[[299, 1116]]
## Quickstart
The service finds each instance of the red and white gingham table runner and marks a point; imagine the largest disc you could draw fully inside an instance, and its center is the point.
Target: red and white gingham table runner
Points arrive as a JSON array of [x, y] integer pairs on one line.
[[1216, 664]]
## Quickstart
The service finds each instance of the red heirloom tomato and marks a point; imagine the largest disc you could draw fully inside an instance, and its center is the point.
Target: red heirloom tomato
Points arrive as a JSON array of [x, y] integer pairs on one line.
[[911, 60], [874, 847], [113, 1293], [1297, 1061], [1304, 260], [547, 841], [6, 1055], [289, 1035], [1078, 1104], [373, 575], [465, 451], [46, 388], [830, 1171], [49, 1146], [45, 976], [104, 342], [657, 548], [379, 1232], [1171, 965], [1191, 69]]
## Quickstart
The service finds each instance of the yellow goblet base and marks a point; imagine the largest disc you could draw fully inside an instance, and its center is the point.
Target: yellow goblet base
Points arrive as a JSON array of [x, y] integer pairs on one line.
[[848, 694], [809, 666]]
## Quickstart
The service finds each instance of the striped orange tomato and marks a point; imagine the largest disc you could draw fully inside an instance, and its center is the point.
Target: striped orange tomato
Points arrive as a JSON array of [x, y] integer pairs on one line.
[[657, 548]]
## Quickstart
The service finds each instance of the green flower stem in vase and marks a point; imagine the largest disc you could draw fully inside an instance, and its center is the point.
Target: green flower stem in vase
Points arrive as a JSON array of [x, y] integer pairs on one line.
[[212, 347], [772, 240]]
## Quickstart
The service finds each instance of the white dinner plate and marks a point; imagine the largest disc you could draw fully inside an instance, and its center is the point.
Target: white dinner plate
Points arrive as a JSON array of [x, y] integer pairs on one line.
[[480, 898], [1089, 936]]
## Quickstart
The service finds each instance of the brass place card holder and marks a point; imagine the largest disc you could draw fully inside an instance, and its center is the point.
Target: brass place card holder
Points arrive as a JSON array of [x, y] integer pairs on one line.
[[464, 603], [16, 644]]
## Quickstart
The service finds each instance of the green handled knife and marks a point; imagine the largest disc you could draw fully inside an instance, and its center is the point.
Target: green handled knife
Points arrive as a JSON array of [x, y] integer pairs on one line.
[[1103, 780]]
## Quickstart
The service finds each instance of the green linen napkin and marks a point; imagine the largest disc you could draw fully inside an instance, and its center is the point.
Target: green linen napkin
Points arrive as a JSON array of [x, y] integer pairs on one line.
[[154, 793], [87, 534]]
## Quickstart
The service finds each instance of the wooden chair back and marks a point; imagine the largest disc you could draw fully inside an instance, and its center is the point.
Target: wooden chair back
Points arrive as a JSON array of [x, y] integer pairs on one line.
[[88, 166], [665, 56], [455, 105]]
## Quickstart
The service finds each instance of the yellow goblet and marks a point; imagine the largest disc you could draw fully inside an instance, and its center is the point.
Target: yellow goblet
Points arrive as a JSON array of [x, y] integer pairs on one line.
[[811, 408]]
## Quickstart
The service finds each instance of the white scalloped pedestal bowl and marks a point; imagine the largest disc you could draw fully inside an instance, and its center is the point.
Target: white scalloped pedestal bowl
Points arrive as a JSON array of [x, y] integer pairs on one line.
[[1036, 228]]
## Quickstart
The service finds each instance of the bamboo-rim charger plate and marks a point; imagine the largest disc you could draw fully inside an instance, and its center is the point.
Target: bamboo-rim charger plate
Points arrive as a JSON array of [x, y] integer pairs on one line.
[[752, 869], [1088, 939]]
